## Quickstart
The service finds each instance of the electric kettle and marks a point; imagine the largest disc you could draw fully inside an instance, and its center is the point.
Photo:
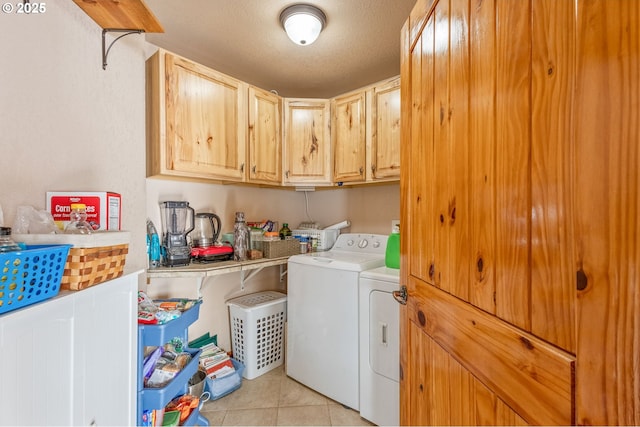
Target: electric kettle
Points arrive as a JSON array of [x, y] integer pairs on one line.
[[206, 230]]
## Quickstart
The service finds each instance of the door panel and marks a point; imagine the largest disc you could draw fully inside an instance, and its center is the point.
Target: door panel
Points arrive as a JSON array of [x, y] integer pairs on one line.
[[512, 110], [459, 258], [482, 195], [531, 376], [442, 146], [553, 290], [445, 393]]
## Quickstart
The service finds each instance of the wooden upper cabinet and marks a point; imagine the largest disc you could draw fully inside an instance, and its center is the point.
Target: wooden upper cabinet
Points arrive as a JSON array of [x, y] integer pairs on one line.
[[348, 136], [205, 125], [265, 137], [385, 131], [365, 132], [307, 146], [196, 120]]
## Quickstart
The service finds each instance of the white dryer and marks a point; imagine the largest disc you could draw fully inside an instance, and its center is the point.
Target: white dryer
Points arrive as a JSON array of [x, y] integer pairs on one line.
[[322, 315], [380, 346]]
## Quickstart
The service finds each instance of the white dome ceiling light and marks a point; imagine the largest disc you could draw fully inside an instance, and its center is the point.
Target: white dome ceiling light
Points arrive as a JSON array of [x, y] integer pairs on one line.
[[303, 23]]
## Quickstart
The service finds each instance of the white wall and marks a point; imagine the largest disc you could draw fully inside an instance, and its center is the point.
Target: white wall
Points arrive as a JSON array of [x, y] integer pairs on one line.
[[67, 124], [370, 210]]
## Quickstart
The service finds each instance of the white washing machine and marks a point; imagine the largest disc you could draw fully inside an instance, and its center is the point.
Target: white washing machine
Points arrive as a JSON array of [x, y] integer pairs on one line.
[[380, 346], [322, 315]]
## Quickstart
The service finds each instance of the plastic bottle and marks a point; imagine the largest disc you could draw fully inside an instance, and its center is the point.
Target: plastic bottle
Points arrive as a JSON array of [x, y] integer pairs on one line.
[[240, 238], [285, 232], [78, 220], [6, 241]]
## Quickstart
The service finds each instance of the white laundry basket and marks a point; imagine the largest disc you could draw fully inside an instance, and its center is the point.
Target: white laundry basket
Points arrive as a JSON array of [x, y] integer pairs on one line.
[[257, 329]]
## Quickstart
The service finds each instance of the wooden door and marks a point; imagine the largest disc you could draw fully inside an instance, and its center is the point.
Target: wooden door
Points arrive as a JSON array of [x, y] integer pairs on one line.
[[385, 131], [543, 320], [348, 137], [265, 141], [474, 105], [307, 147]]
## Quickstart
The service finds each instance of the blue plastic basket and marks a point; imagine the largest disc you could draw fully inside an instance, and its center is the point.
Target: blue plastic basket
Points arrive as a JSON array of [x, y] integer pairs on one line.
[[220, 387], [31, 275]]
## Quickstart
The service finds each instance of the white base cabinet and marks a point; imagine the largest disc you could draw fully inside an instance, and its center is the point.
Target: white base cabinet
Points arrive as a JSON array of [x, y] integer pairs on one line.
[[71, 360]]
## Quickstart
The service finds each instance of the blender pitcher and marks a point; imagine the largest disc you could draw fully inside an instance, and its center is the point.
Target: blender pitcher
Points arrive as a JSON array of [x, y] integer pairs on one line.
[[177, 221]]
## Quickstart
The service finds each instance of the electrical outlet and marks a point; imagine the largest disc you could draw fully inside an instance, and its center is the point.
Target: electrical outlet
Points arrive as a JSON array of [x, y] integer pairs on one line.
[[395, 225]]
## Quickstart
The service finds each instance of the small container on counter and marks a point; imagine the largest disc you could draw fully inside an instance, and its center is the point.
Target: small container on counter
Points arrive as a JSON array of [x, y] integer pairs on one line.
[[78, 220], [304, 244], [255, 239], [6, 241], [240, 238], [285, 232], [271, 236]]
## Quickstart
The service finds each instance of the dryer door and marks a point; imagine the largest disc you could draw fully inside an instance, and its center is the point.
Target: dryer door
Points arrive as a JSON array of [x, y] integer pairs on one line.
[[384, 345]]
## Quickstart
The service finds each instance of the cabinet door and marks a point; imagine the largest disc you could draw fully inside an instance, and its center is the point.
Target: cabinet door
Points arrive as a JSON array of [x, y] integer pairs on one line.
[[105, 344], [196, 120], [385, 131], [348, 136], [71, 360], [265, 141], [307, 148], [37, 365]]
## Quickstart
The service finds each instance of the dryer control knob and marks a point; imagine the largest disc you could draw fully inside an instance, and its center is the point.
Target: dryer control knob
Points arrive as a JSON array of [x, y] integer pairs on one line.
[[376, 244], [363, 243], [349, 242]]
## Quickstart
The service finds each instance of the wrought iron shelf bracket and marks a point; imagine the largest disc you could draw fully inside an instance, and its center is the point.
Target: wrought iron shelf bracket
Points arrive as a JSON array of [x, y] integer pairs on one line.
[[105, 50]]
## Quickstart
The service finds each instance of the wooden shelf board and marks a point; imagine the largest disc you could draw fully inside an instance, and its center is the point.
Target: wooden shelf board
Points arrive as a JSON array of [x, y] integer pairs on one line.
[[121, 14]]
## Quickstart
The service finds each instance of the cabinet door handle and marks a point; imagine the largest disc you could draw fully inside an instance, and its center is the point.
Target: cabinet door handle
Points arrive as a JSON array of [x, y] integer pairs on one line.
[[253, 169], [361, 170], [242, 167]]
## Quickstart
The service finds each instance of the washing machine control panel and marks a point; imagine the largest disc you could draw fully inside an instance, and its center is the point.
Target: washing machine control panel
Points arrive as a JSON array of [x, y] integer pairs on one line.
[[367, 243]]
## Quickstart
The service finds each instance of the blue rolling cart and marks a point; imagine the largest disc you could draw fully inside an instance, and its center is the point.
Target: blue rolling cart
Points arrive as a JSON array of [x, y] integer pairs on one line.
[[159, 335]]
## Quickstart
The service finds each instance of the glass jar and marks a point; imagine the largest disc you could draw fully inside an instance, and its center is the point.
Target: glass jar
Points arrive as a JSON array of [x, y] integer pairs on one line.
[[240, 238], [6, 241], [256, 239], [285, 232], [304, 241], [78, 220]]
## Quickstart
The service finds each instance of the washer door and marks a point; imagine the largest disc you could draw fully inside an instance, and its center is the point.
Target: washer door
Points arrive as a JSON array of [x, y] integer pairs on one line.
[[384, 326]]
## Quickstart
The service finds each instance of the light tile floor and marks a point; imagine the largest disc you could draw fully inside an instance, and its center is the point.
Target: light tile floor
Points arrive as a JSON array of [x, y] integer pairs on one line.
[[273, 399]]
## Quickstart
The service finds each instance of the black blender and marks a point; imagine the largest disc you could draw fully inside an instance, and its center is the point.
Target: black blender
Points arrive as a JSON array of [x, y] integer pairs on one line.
[[175, 249]]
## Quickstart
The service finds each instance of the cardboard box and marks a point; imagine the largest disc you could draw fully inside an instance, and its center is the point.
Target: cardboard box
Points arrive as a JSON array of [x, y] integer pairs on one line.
[[104, 208]]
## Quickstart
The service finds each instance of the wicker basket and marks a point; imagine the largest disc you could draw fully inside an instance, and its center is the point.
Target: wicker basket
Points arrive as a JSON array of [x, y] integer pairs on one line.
[[280, 248], [89, 266], [92, 259]]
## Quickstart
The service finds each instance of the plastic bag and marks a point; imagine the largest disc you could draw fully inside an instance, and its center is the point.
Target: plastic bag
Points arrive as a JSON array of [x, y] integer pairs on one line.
[[31, 221]]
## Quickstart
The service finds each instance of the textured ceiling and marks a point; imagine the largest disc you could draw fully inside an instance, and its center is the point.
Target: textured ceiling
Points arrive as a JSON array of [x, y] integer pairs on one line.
[[244, 39]]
